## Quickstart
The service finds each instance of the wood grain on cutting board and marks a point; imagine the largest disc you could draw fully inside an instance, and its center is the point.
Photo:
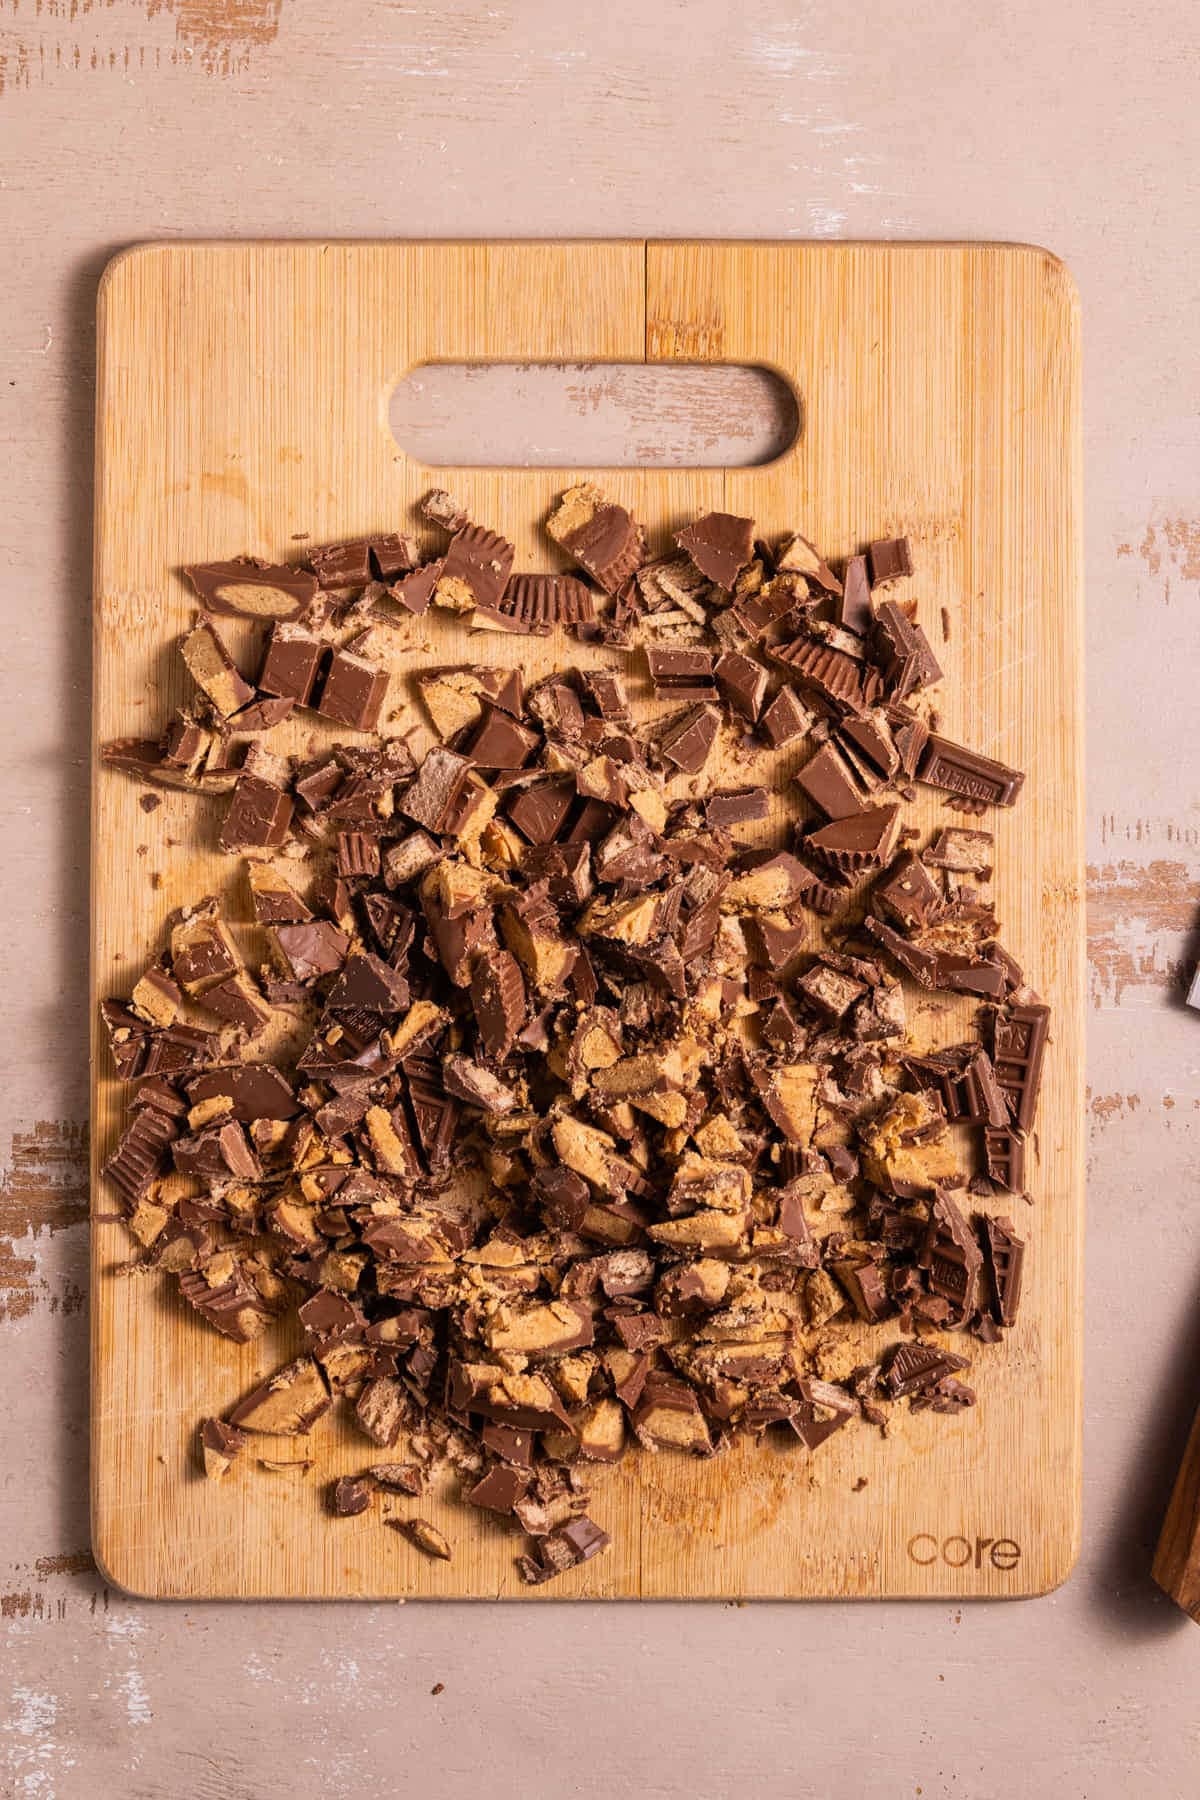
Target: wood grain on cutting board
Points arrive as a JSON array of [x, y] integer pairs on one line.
[[242, 405]]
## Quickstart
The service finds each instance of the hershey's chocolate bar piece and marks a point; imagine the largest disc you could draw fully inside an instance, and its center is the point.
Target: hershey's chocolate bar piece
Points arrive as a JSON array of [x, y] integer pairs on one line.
[[258, 818], [273, 900], [952, 1256], [1006, 1261], [890, 559], [853, 610], [966, 773], [786, 719], [312, 949], [687, 741], [904, 652], [353, 691], [574, 1543], [368, 982], [1018, 1052], [742, 683], [214, 670], [599, 534], [501, 742], [720, 544], [1004, 1153], [254, 1091], [824, 1408], [685, 674], [915, 1367], [251, 589], [292, 663], [829, 782]]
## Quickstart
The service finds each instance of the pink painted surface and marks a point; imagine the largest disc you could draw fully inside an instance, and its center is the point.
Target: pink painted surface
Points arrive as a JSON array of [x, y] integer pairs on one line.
[[1067, 122]]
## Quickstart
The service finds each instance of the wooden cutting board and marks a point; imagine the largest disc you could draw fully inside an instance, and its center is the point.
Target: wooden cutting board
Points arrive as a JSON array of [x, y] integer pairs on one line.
[[243, 407]]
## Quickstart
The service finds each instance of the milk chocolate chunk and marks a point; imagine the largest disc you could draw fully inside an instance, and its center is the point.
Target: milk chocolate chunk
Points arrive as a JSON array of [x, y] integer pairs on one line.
[[1018, 1052], [259, 817], [345, 565], [963, 852], [871, 741], [1004, 1153], [367, 982], [500, 1489], [830, 783], [863, 842], [350, 1495], [687, 741], [220, 1445], [475, 569], [288, 1403], [311, 950], [738, 806], [214, 670], [254, 1091], [353, 692], [415, 590], [903, 652], [823, 1409], [391, 555], [539, 812], [145, 759], [742, 683], [909, 894], [952, 1257], [785, 719], [572, 1544], [240, 1003], [853, 610], [967, 774], [357, 854], [600, 535], [501, 742], [498, 1000], [291, 664], [248, 588], [683, 674], [890, 559], [1006, 1262], [720, 544]]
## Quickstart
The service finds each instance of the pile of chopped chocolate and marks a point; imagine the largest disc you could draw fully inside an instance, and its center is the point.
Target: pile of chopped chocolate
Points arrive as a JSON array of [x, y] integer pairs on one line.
[[586, 1125]]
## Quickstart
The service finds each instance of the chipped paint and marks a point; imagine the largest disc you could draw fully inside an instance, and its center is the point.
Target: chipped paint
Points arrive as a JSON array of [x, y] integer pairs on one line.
[[69, 37], [1171, 541], [44, 1189], [1139, 918]]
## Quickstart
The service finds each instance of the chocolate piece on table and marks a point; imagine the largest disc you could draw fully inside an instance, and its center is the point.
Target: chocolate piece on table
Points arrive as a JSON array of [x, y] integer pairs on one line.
[[599, 534], [683, 674], [1019, 1038], [498, 1001], [343, 565], [368, 982], [742, 683], [357, 854], [1006, 1262], [963, 852], [853, 610], [353, 691], [863, 842], [720, 544], [501, 742], [312, 949], [951, 1256], [424, 1537], [606, 689], [914, 1367], [414, 591], [796, 555], [823, 1409], [141, 1153], [890, 559], [264, 714], [970, 975], [534, 604], [540, 812], [391, 555], [350, 1495], [975, 778], [248, 588], [292, 663], [431, 798], [146, 759], [214, 670], [1004, 1154], [500, 1489], [475, 569], [220, 1444], [566, 1548], [740, 806], [240, 1003], [921, 964], [254, 1090], [288, 1403], [688, 740], [258, 818], [831, 674], [830, 783], [786, 719], [668, 1417], [909, 893], [903, 652], [870, 740]]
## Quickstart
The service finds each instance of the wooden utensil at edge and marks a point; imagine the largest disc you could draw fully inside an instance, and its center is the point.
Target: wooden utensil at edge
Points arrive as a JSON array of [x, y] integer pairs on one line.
[[1177, 1559]]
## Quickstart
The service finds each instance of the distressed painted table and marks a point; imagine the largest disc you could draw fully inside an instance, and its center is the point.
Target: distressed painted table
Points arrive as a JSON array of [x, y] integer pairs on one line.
[[1069, 123]]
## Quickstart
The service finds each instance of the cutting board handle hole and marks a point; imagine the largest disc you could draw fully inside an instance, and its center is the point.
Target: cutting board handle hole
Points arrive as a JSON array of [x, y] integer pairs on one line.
[[594, 415]]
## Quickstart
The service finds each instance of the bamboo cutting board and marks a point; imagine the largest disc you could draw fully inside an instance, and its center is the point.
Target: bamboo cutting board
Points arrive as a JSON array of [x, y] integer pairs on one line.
[[242, 407]]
